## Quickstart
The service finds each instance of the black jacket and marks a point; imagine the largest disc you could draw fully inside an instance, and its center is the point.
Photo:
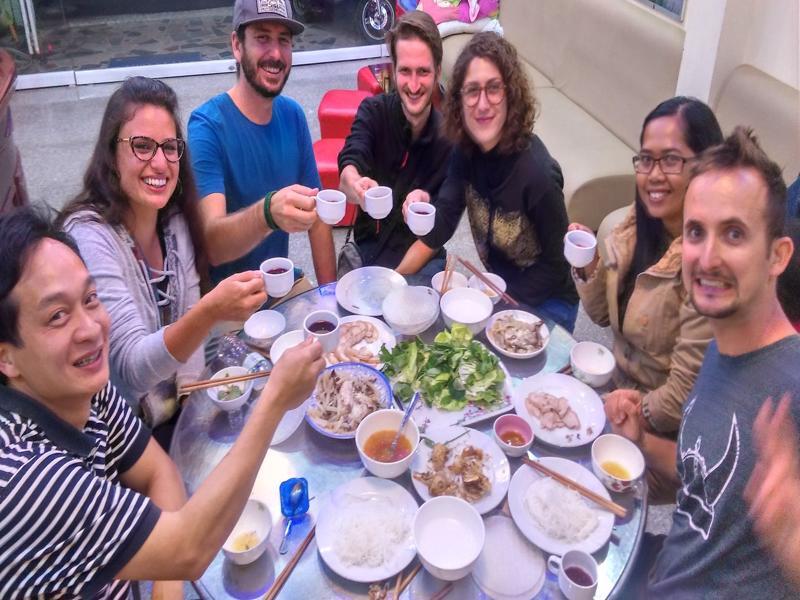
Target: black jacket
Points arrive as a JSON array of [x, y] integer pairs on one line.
[[379, 146]]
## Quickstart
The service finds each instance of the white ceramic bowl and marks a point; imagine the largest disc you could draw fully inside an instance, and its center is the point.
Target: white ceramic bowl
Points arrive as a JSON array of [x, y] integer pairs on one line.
[[245, 386], [477, 284], [457, 280], [449, 536], [615, 448], [512, 423], [467, 306], [263, 326], [592, 363], [255, 519], [519, 315], [380, 420], [411, 310]]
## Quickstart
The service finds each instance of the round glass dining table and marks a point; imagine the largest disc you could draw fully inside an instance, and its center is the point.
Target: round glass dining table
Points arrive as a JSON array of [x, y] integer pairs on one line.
[[204, 434]]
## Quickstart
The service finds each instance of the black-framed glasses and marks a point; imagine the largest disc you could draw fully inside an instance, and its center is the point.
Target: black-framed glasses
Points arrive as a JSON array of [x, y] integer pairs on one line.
[[495, 92], [144, 148], [671, 164]]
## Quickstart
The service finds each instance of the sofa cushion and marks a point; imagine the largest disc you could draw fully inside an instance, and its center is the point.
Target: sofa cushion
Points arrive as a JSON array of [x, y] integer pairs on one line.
[[752, 97], [598, 175]]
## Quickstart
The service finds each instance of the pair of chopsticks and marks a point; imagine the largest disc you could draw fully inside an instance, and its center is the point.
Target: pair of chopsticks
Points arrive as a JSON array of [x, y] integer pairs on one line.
[[209, 383], [508, 299], [449, 267], [402, 583], [585, 492], [280, 580]]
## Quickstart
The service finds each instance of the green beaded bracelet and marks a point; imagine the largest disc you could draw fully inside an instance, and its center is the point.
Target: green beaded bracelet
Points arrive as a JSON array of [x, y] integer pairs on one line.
[[268, 215]]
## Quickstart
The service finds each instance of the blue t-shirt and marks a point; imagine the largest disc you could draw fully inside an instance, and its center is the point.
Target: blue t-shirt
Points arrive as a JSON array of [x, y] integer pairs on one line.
[[711, 550], [233, 156]]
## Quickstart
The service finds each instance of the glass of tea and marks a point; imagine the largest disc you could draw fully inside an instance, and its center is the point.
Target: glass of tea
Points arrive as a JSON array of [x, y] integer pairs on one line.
[[323, 325], [278, 274], [577, 574]]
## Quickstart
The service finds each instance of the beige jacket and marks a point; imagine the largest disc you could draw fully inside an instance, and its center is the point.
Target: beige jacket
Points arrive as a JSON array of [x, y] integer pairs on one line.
[[663, 339]]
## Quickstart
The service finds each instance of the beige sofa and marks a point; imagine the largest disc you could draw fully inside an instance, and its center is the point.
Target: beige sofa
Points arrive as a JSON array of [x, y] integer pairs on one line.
[[597, 68]]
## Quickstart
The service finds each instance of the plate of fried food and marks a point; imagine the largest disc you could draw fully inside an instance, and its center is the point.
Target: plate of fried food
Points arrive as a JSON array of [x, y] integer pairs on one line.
[[462, 462], [561, 410], [517, 334], [360, 340], [344, 395]]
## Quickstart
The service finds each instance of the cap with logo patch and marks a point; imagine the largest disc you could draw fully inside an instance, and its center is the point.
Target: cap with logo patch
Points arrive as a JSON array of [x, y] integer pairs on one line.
[[277, 11]]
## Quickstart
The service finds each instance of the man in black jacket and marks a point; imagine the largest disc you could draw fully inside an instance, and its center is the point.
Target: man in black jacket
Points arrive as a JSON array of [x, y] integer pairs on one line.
[[396, 141]]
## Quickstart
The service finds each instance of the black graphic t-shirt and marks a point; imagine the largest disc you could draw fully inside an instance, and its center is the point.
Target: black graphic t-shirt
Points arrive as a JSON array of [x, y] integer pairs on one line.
[[711, 550]]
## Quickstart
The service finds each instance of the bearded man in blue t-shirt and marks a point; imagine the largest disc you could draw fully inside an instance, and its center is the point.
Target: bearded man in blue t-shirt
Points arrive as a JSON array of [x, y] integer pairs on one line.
[[252, 155], [734, 250]]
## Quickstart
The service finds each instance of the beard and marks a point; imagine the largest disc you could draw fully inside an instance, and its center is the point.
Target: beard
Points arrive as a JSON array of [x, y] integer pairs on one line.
[[250, 70]]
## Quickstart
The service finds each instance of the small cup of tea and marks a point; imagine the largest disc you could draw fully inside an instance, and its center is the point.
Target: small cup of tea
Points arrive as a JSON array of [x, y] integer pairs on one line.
[[323, 325], [577, 574], [378, 202], [579, 247], [331, 205], [278, 274], [421, 217]]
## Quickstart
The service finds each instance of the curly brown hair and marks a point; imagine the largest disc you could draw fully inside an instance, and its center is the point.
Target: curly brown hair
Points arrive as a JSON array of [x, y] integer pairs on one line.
[[519, 98]]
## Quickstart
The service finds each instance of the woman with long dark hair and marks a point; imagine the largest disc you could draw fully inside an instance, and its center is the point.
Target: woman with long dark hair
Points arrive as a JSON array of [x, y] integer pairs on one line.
[[136, 226], [659, 339], [506, 179]]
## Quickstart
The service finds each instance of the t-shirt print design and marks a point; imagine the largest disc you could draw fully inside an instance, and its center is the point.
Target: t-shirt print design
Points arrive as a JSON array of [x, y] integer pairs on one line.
[[705, 486]]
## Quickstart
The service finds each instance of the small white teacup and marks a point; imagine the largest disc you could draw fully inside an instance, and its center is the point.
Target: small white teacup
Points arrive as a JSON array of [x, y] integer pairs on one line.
[[421, 217], [579, 247], [278, 274], [331, 205], [577, 574], [378, 202], [323, 325]]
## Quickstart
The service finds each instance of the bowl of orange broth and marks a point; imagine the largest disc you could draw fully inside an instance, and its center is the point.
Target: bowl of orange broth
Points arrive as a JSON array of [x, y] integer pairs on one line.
[[374, 437], [617, 462]]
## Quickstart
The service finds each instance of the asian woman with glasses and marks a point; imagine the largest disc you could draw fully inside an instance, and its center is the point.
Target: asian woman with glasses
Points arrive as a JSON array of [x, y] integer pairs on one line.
[[136, 226], [659, 339], [501, 172]]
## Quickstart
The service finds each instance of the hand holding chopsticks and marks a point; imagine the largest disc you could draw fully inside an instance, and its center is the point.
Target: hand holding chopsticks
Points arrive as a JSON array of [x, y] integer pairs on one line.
[[490, 284], [209, 383], [280, 580], [585, 492]]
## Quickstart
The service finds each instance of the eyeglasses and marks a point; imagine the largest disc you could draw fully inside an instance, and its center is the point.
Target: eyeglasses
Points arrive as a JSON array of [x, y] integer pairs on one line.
[[145, 148], [671, 164], [495, 92]]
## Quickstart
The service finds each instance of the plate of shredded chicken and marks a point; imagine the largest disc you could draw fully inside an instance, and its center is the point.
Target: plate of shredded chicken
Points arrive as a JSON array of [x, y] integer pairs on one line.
[[360, 340], [517, 334], [462, 462], [561, 410], [344, 395]]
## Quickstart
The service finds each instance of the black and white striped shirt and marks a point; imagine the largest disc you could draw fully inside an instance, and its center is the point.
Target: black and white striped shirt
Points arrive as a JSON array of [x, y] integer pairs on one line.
[[67, 525]]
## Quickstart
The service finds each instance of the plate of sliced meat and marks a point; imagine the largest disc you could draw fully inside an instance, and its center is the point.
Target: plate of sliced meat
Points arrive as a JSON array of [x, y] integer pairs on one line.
[[562, 411], [361, 340]]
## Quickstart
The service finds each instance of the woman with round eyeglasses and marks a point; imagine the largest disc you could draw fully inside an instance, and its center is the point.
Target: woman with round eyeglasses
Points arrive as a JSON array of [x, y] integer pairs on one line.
[[659, 339], [504, 176], [136, 226]]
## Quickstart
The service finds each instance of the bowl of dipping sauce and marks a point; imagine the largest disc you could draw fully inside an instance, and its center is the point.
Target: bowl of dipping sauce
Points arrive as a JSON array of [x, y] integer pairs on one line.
[[449, 536], [374, 437], [250, 535], [617, 462], [592, 363], [513, 434], [232, 396], [457, 280], [263, 326], [475, 283], [467, 306]]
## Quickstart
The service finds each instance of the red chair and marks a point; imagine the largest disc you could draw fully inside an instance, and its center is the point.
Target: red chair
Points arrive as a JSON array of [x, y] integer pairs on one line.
[[337, 110], [366, 81], [326, 153]]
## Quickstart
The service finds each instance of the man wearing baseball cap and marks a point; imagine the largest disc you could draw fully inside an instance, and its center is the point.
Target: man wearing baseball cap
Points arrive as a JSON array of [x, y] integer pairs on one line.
[[252, 156]]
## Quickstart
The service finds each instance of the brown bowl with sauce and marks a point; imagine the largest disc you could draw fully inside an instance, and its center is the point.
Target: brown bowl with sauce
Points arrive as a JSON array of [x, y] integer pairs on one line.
[[513, 434], [374, 438]]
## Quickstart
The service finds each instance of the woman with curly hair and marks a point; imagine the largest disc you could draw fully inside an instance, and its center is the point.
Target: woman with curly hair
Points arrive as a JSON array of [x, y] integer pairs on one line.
[[501, 172]]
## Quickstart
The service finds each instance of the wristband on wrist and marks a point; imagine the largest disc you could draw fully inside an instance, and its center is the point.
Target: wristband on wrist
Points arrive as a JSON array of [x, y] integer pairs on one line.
[[268, 215]]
